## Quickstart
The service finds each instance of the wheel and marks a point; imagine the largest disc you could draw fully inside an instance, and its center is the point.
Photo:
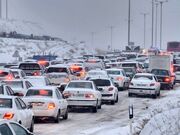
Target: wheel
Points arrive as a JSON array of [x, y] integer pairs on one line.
[[154, 96], [172, 86], [117, 99], [31, 129], [112, 102], [94, 108], [65, 117], [56, 119], [158, 94], [129, 95], [99, 107]]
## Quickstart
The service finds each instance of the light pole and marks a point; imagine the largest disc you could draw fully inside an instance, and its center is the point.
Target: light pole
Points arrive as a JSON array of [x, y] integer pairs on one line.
[[6, 9], [156, 24], [161, 19], [111, 28], [152, 34], [144, 15], [129, 23]]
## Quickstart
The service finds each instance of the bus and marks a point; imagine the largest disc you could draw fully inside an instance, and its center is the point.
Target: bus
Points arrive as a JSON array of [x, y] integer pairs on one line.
[[173, 47]]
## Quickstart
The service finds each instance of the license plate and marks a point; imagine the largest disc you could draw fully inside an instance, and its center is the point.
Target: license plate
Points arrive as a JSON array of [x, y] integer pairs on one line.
[[79, 95], [141, 85]]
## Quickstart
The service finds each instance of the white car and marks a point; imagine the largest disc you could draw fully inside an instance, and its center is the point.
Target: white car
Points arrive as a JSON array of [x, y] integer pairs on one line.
[[47, 102], [177, 73], [18, 73], [58, 74], [14, 108], [6, 90], [83, 94], [108, 90], [6, 74], [19, 86], [96, 73], [144, 84], [38, 80], [12, 128], [119, 77]]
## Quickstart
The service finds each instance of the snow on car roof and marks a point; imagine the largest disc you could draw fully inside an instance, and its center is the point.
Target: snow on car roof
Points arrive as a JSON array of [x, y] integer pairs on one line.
[[43, 87], [146, 74], [59, 65]]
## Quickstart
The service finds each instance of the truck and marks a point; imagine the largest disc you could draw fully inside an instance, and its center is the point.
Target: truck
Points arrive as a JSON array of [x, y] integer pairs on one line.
[[162, 67]]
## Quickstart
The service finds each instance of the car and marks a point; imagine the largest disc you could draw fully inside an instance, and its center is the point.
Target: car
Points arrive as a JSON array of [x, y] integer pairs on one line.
[[119, 77], [83, 94], [177, 72], [62, 87], [19, 86], [6, 90], [13, 108], [6, 74], [96, 73], [32, 68], [47, 103], [38, 80], [18, 73], [93, 63], [165, 77], [130, 71], [108, 91], [144, 84], [78, 71], [58, 74], [12, 128]]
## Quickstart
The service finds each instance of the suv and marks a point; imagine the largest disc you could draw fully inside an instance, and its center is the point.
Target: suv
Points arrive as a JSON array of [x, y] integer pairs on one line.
[[165, 77]]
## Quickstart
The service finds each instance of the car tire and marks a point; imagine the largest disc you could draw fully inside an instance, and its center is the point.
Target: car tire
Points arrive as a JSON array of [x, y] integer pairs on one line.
[[57, 118], [129, 95], [99, 107], [159, 93], [65, 117], [31, 129], [95, 108], [117, 99], [112, 102], [154, 96]]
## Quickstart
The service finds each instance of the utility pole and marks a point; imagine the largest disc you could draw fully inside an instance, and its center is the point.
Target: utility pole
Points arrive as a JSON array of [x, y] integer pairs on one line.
[[161, 19], [0, 9], [156, 25], [144, 15], [152, 34], [129, 23], [112, 28], [6, 9]]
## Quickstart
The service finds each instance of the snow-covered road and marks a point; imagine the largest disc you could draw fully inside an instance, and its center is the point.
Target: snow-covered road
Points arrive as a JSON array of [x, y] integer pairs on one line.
[[107, 118]]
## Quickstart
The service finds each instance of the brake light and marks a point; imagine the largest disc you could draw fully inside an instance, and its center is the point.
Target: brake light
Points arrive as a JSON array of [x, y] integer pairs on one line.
[[9, 77], [89, 96], [152, 84], [167, 79], [51, 106], [111, 89], [36, 73], [119, 78], [8, 116]]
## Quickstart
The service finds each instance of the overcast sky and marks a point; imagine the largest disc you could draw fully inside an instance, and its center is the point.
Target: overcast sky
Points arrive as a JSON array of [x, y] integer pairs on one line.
[[74, 20]]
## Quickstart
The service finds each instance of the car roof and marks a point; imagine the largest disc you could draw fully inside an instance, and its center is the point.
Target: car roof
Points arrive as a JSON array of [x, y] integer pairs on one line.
[[14, 80], [102, 78], [80, 81], [59, 65], [13, 69], [146, 74], [43, 87], [35, 77], [7, 96], [114, 69], [5, 69]]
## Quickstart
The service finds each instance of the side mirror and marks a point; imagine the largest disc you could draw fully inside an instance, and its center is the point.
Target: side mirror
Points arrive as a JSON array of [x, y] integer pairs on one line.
[[29, 107]]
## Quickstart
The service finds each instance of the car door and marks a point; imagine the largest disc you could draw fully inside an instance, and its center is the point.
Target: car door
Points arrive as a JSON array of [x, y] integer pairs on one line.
[[21, 113]]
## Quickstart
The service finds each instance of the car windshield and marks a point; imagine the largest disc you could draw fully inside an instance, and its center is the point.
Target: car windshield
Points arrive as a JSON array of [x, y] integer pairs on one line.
[[144, 77], [56, 70], [86, 85], [5, 103], [29, 66], [15, 84], [101, 82], [39, 92], [160, 72], [111, 72]]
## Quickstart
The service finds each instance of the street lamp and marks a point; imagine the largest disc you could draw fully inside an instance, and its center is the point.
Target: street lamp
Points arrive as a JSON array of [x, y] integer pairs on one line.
[[144, 15], [161, 19], [129, 23], [156, 24]]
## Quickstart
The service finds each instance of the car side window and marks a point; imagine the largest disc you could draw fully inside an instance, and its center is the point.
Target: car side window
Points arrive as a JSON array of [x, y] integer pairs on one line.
[[18, 129], [124, 74], [23, 105], [18, 104], [5, 130], [58, 94], [9, 90], [28, 84], [23, 74], [156, 78]]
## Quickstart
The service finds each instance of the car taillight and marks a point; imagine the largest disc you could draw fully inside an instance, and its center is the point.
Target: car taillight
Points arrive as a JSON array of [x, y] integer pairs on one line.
[[8, 116], [119, 78], [89, 96], [167, 79], [9, 77], [111, 89], [152, 84], [36, 73], [51, 106]]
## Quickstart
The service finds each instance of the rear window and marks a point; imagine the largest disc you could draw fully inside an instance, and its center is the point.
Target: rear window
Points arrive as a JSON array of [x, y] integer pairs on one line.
[[29, 66], [5, 103], [15, 84], [129, 65], [56, 70], [3, 74], [101, 82], [87, 85], [160, 72], [144, 77], [45, 93], [111, 72]]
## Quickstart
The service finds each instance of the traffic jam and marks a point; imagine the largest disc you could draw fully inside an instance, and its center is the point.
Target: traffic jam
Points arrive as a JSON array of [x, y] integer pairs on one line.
[[38, 91]]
